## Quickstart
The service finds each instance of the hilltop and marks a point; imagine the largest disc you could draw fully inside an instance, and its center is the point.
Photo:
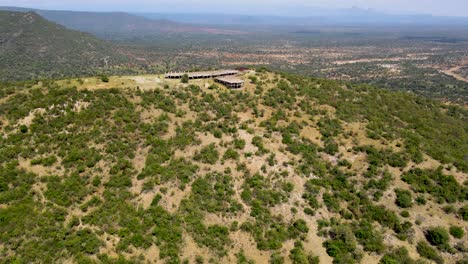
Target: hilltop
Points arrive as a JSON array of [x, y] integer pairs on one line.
[[32, 47], [289, 169]]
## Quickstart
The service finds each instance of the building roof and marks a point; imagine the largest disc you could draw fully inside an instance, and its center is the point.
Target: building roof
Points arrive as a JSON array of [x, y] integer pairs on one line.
[[230, 80], [203, 74]]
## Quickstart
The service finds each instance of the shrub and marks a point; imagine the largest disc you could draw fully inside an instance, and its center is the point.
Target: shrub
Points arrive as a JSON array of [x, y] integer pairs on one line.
[[258, 142], [342, 245], [437, 236], [397, 256], [299, 256], [230, 154], [297, 228], [208, 154], [46, 161], [253, 79], [104, 78], [421, 200], [463, 213], [370, 240], [405, 214], [213, 87], [428, 252], [331, 147], [449, 209], [239, 143], [276, 258], [24, 129], [403, 199], [457, 232], [185, 78]]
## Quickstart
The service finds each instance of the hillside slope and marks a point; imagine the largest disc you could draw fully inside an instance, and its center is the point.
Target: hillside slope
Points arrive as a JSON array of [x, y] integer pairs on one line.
[[117, 24], [33, 47], [287, 170]]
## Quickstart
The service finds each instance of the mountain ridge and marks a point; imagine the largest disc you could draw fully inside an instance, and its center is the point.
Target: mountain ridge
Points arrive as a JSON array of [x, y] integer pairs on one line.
[[33, 47], [105, 23]]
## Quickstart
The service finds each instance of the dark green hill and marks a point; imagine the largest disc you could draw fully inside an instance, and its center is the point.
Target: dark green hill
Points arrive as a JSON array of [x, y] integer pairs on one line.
[[112, 24], [33, 47]]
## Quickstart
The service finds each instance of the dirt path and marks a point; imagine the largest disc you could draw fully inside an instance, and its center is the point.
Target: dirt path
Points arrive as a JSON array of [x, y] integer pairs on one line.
[[452, 72]]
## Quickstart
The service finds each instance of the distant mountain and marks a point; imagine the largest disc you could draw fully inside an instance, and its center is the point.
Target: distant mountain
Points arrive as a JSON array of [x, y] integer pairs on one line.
[[33, 47], [111, 23], [349, 16]]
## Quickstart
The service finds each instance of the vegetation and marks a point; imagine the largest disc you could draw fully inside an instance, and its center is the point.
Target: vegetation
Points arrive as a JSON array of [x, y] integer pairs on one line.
[[117, 174], [425, 250], [404, 199], [443, 188], [399, 255], [457, 232], [185, 78], [36, 48], [438, 236]]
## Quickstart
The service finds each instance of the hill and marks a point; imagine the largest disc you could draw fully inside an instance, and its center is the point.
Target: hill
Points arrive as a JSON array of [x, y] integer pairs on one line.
[[33, 47], [289, 169], [117, 24]]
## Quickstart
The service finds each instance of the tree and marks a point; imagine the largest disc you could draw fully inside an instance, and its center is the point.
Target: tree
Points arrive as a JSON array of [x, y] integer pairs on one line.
[[185, 78]]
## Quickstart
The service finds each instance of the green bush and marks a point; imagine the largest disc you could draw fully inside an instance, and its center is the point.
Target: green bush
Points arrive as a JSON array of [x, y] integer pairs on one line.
[[239, 143], [370, 240], [299, 256], [437, 236], [403, 198], [276, 258], [24, 129], [397, 256], [342, 245], [331, 147], [425, 250], [208, 154], [298, 228], [104, 78], [185, 78], [230, 154], [405, 214], [457, 232], [258, 142], [463, 212], [45, 161]]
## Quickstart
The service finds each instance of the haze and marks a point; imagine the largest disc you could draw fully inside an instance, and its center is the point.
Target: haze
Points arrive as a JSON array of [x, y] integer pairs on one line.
[[263, 7]]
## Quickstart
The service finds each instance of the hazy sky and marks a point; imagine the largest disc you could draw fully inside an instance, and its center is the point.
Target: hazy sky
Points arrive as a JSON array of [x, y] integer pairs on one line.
[[276, 7]]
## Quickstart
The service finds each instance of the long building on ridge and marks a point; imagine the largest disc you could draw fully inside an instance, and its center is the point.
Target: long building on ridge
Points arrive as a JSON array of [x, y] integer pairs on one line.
[[201, 75]]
